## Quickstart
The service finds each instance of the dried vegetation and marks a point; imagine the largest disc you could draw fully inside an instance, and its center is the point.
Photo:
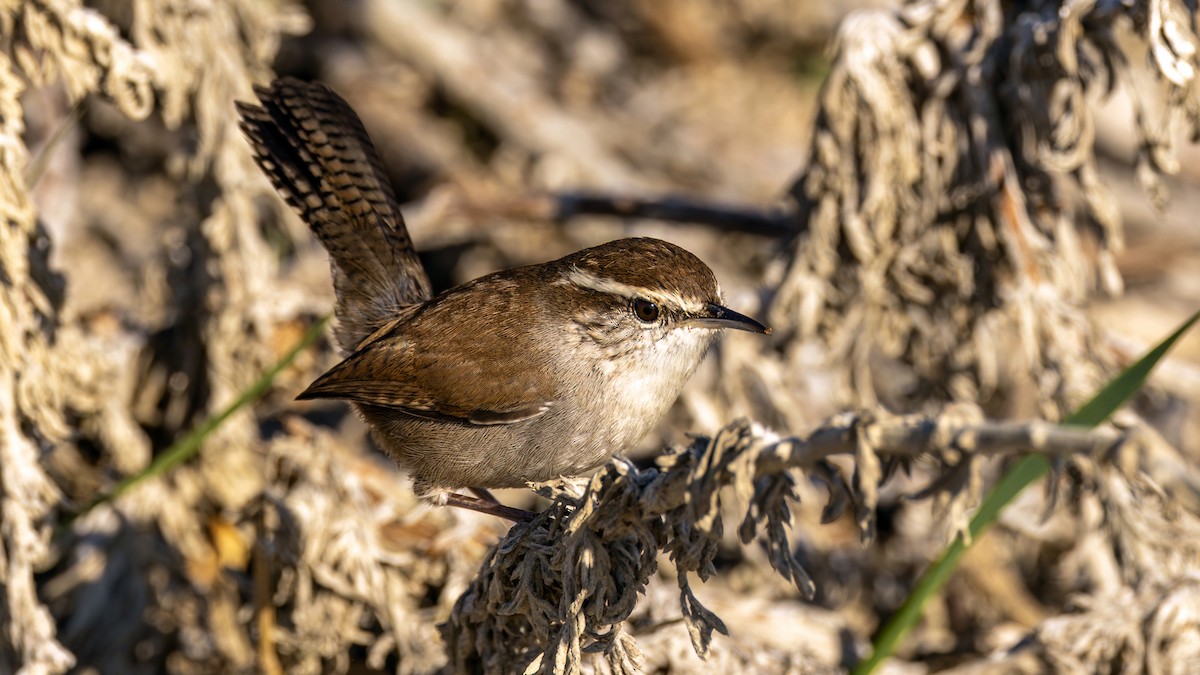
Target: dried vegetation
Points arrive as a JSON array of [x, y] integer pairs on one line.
[[951, 230]]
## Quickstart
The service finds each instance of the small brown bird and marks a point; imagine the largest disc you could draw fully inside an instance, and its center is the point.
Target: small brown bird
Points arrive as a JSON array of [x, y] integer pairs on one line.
[[520, 376]]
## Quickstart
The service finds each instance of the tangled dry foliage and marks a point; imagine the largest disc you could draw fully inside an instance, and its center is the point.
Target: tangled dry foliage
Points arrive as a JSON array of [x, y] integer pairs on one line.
[[595, 552], [945, 240]]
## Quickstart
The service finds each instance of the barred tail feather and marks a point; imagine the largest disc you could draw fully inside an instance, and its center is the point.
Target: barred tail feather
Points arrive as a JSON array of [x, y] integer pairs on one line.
[[313, 148]]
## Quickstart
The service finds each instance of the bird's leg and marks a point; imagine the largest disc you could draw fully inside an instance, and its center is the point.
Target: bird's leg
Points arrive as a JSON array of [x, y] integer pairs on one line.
[[492, 508], [484, 494]]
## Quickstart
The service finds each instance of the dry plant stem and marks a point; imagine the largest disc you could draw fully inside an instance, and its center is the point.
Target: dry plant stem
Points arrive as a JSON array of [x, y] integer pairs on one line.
[[596, 551], [676, 209], [563, 206], [268, 660], [915, 435]]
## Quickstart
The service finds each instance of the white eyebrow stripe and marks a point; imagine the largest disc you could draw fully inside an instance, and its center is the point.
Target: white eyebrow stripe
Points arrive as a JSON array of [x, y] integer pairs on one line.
[[592, 282]]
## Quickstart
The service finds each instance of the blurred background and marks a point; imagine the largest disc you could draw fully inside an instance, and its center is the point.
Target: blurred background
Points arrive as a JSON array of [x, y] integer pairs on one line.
[[149, 275]]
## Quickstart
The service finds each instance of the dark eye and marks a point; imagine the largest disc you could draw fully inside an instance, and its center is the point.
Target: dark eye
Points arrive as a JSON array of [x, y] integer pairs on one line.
[[645, 311]]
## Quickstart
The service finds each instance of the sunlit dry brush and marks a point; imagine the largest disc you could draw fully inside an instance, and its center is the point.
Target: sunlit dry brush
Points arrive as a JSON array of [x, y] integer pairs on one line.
[[953, 218], [82, 381], [949, 231]]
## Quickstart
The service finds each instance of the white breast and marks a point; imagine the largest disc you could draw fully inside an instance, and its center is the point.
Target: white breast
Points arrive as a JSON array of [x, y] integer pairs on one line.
[[657, 376]]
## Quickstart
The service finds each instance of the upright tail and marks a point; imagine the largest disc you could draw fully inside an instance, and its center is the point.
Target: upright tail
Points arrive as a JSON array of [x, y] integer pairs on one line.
[[313, 147]]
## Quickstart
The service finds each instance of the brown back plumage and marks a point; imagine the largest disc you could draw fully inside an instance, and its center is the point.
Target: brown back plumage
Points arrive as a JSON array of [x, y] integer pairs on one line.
[[313, 147]]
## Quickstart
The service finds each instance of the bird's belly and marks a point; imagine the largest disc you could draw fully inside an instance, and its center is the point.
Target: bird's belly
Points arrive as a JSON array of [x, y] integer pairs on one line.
[[446, 455]]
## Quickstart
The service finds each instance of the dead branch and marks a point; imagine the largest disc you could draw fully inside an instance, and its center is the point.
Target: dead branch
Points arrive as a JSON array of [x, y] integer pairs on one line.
[[563, 206], [596, 551]]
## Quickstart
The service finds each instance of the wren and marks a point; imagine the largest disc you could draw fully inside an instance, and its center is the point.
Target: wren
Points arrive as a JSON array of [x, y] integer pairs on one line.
[[520, 376]]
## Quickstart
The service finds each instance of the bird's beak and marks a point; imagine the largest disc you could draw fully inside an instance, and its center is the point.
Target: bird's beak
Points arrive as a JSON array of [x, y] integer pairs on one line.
[[716, 316]]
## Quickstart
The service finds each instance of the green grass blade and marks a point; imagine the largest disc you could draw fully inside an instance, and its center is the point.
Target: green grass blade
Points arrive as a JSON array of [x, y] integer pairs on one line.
[[1030, 468], [1127, 383], [37, 167], [186, 447]]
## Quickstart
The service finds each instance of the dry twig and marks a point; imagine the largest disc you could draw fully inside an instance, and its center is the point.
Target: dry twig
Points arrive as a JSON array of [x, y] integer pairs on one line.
[[595, 552]]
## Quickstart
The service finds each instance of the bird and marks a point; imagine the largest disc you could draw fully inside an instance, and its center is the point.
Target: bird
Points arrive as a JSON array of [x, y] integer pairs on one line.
[[520, 376]]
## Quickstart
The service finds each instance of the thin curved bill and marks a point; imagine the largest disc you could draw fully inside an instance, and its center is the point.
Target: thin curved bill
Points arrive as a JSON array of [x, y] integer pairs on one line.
[[716, 316]]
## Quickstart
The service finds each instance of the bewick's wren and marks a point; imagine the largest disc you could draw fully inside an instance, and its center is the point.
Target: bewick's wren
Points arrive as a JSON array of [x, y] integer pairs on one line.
[[522, 375]]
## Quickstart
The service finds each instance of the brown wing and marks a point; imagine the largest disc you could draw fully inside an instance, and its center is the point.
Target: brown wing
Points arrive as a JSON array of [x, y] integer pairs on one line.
[[455, 359], [313, 147], [439, 384]]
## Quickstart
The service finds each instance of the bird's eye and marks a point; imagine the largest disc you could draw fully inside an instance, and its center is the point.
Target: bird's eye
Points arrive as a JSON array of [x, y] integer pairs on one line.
[[645, 311]]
